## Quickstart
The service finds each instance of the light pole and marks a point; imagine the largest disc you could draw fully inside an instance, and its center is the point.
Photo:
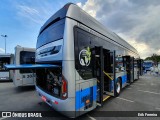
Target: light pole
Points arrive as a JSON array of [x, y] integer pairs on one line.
[[5, 36]]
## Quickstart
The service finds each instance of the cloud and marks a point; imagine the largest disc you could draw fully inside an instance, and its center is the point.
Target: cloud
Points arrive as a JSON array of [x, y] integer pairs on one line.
[[29, 13], [2, 50], [36, 12], [89, 7], [137, 21]]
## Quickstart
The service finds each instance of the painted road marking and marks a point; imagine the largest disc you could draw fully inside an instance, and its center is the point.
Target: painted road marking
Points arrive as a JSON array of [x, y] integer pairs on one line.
[[92, 118], [128, 88], [149, 92], [125, 99]]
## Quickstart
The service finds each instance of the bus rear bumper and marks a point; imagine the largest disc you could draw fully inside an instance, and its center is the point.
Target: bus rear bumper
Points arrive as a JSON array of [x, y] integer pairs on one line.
[[65, 107]]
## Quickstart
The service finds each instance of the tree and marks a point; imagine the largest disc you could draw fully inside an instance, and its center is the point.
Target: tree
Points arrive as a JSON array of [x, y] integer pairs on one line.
[[155, 58]]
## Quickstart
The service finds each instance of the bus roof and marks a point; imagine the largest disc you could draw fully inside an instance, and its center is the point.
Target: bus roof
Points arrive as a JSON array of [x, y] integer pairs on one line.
[[5, 55], [72, 11], [25, 48]]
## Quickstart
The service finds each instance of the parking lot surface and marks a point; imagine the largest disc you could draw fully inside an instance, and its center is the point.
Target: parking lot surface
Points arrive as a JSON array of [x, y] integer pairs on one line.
[[142, 95]]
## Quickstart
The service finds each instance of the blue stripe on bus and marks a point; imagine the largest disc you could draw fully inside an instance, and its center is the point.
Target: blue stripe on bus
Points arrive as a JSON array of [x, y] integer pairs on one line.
[[80, 94], [124, 79], [86, 92]]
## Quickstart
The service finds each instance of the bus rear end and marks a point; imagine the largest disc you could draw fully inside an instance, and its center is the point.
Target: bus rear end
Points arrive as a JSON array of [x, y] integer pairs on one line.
[[56, 86], [4, 74], [24, 77]]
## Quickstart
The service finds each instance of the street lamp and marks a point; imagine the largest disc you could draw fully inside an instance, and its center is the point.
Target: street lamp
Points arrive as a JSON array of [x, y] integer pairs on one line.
[[5, 36]]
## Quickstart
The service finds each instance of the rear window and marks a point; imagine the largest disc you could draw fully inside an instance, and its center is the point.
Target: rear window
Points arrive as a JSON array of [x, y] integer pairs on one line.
[[52, 33], [4, 61], [27, 57]]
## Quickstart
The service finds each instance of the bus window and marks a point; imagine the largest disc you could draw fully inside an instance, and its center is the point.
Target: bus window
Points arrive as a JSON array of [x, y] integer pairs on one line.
[[4, 61], [52, 33], [119, 64], [27, 57], [83, 53], [135, 64]]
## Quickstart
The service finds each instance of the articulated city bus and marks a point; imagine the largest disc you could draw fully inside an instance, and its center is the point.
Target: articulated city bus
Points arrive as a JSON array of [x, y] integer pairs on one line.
[[24, 77], [5, 59], [80, 63]]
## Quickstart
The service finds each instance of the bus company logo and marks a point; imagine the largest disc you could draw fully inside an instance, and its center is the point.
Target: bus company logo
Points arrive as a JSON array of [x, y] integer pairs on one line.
[[6, 114], [85, 57]]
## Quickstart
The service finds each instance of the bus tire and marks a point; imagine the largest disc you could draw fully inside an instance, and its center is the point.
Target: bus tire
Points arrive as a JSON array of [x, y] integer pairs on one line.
[[118, 87]]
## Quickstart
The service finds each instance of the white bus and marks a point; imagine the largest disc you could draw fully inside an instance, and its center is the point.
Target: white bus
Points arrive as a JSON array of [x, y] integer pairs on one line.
[[24, 77], [5, 59], [80, 63]]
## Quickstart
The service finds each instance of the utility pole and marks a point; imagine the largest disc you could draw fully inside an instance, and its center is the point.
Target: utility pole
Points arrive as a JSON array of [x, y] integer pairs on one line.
[[5, 36]]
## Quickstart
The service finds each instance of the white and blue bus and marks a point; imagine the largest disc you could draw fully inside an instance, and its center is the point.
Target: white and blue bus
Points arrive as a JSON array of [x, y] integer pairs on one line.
[[147, 65], [24, 77], [6, 75], [80, 63]]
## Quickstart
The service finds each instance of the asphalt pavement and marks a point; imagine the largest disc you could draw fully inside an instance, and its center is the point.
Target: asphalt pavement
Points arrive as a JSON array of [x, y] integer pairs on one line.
[[142, 95]]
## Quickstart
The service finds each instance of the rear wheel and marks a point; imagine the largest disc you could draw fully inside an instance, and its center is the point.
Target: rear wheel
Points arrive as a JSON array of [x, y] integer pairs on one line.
[[118, 87]]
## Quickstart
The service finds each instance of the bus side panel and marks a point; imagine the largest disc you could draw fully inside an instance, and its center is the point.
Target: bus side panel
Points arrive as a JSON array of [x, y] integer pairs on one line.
[[124, 80], [17, 78], [69, 74], [86, 95], [135, 73]]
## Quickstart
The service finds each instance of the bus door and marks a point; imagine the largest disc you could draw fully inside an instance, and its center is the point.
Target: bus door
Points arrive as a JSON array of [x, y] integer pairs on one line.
[[98, 73], [105, 73], [109, 73], [127, 66], [140, 66], [136, 69], [132, 69]]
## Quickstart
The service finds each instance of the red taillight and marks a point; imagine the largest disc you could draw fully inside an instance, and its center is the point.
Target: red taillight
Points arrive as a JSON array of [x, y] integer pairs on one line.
[[56, 102], [64, 88], [44, 98]]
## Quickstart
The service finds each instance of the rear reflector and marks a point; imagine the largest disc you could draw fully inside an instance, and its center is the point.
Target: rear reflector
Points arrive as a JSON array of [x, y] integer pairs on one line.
[[44, 98], [87, 101], [55, 102]]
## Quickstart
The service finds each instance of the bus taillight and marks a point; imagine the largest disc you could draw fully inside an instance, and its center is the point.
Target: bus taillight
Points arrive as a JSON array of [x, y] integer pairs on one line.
[[64, 88], [43, 98]]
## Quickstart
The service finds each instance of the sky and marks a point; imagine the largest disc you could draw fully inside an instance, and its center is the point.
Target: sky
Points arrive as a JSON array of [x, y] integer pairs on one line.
[[136, 21]]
